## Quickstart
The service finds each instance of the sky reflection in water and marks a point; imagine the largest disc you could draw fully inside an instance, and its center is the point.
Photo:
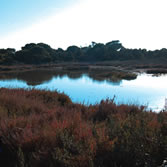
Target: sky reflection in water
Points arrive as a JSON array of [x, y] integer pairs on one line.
[[145, 90]]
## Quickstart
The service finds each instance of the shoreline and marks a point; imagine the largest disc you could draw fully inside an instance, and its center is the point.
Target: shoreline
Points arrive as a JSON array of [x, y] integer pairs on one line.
[[127, 66]]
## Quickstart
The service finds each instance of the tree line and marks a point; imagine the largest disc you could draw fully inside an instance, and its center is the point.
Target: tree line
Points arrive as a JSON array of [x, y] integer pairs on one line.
[[41, 53]]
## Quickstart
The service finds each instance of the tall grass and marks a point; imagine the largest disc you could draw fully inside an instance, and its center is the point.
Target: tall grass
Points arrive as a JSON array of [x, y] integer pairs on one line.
[[45, 129]]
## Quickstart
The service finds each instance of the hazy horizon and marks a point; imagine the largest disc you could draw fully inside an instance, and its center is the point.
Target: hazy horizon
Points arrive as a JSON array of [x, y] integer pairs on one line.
[[62, 23]]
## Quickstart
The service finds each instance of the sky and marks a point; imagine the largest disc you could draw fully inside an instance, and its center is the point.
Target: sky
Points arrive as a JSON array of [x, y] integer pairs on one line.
[[62, 23]]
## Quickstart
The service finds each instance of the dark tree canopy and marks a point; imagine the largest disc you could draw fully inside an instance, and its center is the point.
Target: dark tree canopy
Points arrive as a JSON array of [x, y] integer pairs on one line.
[[41, 53]]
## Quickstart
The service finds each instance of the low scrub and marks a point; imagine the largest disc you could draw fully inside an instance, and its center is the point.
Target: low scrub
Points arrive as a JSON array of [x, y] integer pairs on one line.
[[45, 129], [157, 71]]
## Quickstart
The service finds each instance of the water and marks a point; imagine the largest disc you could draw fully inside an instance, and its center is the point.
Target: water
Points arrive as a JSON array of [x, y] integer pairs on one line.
[[145, 90]]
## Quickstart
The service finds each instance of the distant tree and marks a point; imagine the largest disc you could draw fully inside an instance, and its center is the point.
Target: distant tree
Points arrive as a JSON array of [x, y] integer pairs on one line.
[[11, 50], [42, 53], [93, 44], [33, 54], [115, 45], [28, 46]]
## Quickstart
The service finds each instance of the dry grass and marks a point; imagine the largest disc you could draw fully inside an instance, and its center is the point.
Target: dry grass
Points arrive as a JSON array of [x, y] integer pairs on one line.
[[45, 129]]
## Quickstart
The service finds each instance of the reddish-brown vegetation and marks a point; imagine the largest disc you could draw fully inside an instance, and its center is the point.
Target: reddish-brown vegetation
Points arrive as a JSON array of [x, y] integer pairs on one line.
[[45, 129]]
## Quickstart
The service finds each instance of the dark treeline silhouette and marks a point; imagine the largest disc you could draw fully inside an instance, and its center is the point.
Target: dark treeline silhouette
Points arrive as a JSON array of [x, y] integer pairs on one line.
[[42, 53]]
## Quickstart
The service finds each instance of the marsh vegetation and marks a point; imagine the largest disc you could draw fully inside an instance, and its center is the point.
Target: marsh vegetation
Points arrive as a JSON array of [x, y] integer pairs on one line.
[[44, 129]]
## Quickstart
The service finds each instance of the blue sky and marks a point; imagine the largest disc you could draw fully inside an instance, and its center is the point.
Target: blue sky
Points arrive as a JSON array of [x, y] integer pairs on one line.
[[61, 23], [17, 14]]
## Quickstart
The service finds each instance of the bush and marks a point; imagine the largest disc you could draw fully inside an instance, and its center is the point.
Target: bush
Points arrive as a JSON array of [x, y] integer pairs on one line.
[[45, 129]]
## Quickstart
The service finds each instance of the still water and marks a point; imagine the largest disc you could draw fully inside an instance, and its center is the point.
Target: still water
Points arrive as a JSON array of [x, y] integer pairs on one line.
[[145, 90]]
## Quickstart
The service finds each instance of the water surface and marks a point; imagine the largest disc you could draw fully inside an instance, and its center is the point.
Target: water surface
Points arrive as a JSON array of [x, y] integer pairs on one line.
[[145, 90]]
